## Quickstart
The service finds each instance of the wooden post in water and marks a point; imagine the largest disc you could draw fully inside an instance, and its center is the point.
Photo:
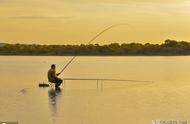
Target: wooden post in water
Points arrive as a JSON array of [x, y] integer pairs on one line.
[[101, 85], [97, 84]]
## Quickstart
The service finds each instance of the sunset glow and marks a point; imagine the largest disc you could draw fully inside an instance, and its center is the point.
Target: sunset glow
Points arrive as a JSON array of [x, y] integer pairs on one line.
[[76, 21]]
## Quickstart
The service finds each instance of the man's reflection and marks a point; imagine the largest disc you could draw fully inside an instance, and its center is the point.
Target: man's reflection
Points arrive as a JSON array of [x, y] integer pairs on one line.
[[54, 94]]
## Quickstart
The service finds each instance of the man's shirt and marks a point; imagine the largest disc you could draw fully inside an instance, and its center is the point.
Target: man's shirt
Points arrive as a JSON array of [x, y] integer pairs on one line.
[[52, 75]]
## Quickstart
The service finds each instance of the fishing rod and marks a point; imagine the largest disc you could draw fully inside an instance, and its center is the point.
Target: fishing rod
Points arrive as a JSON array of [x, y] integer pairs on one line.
[[106, 79], [94, 38]]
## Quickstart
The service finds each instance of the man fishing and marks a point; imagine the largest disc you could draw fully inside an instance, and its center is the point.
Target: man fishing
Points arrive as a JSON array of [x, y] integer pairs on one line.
[[53, 77]]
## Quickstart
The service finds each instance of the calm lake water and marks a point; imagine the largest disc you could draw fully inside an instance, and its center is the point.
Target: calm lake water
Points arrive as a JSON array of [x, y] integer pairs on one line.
[[81, 102]]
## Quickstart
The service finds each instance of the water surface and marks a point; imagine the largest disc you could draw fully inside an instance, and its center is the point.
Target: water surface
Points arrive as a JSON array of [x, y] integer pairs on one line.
[[80, 102]]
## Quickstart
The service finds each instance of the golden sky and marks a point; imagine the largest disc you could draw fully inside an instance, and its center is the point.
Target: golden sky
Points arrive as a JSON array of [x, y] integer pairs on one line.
[[77, 21]]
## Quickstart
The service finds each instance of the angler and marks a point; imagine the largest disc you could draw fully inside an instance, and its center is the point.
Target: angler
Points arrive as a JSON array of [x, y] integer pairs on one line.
[[53, 76]]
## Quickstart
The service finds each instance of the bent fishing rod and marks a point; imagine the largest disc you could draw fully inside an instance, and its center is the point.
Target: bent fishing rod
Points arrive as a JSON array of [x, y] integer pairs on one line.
[[94, 38]]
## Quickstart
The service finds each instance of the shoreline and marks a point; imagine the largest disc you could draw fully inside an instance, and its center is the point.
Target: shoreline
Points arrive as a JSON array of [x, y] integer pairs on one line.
[[102, 55]]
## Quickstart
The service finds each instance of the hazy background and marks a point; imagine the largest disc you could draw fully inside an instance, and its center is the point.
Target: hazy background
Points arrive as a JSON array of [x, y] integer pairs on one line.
[[76, 21]]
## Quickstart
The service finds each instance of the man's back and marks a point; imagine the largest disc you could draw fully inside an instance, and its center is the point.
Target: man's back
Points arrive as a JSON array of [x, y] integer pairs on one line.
[[51, 75]]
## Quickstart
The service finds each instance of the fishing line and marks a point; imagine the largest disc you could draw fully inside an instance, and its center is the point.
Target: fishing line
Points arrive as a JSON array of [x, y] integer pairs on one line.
[[94, 38]]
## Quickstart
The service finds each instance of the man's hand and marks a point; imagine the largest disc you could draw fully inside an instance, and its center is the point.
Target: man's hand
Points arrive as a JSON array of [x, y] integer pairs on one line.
[[58, 74]]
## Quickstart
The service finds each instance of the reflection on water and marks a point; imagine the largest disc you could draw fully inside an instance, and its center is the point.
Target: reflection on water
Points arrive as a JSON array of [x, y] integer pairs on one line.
[[54, 95]]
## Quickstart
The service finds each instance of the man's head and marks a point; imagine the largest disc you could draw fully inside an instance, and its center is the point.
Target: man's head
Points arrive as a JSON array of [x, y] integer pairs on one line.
[[53, 66]]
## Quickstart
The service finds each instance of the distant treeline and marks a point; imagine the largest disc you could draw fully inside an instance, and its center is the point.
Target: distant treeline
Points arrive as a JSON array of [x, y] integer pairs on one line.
[[169, 47]]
